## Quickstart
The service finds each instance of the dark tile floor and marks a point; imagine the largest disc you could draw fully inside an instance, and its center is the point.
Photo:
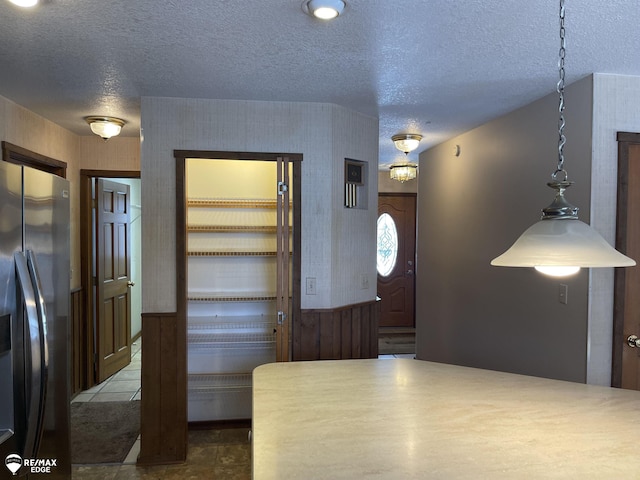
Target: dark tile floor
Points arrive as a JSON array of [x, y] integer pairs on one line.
[[222, 454]]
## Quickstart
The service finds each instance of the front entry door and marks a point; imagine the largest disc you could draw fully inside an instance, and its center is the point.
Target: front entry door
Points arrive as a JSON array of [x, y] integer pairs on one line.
[[113, 267], [396, 254]]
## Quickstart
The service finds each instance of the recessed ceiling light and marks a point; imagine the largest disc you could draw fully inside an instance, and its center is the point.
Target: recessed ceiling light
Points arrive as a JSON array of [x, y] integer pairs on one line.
[[25, 3], [323, 9]]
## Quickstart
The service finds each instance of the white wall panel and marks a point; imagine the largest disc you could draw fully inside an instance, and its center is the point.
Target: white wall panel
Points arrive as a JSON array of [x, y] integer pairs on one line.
[[245, 126]]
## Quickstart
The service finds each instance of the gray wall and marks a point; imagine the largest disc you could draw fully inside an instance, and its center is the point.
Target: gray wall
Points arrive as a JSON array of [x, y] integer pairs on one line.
[[471, 209]]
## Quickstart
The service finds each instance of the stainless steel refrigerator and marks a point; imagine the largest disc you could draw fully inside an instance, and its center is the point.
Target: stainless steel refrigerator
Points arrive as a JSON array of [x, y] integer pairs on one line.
[[34, 324]]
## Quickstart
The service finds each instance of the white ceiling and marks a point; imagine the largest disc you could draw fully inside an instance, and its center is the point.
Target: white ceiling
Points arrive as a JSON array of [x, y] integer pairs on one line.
[[435, 67]]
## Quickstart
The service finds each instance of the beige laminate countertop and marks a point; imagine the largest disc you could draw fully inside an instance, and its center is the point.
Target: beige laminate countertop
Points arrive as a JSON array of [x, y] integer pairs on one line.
[[409, 419]]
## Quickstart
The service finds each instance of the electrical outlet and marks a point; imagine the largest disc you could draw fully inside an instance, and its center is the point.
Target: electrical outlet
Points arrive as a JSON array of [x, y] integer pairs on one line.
[[563, 293], [364, 281], [311, 286]]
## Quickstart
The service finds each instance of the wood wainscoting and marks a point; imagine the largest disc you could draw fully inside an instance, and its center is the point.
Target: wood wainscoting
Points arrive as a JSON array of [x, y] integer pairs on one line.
[[163, 413], [77, 322], [338, 333]]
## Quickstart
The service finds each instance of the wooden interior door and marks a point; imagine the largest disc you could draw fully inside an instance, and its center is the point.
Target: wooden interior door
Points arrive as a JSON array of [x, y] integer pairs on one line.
[[283, 264], [397, 245], [626, 355], [113, 267]]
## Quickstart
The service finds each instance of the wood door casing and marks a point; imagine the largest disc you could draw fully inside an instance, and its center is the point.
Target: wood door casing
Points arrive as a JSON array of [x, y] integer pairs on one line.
[[283, 349], [626, 360], [397, 290], [113, 267]]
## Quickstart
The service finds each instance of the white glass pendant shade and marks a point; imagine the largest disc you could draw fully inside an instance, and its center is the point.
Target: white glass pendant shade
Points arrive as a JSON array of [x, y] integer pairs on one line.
[[561, 243]]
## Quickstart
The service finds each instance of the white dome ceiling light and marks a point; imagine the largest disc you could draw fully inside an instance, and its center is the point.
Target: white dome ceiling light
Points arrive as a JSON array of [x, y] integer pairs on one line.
[[323, 9], [406, 142], [105, 127]]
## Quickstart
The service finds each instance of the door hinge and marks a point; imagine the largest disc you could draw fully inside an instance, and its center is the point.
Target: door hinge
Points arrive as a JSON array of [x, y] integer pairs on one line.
[[94, 280], [282, 188]]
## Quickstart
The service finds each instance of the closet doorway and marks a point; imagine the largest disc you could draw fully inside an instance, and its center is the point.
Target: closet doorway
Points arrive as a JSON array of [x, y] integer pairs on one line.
[[238, 244]]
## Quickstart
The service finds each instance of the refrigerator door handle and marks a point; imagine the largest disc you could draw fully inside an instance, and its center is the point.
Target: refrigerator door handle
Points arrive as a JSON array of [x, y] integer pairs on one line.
[[44, 348], [34, 361]]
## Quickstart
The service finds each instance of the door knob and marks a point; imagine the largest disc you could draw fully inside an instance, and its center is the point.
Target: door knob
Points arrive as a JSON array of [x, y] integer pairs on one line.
[[409, 272], [130, 284], [633, 341]]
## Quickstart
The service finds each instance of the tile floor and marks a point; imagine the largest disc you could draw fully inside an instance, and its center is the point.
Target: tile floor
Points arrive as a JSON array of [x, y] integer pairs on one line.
[[213, 454], [121, 387], [223, 454]]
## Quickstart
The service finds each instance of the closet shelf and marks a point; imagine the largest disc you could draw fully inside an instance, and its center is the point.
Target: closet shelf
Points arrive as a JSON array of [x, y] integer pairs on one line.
[[234, 340], [226, 203], [231, 254], [240, 324], [231, 319], [212, 383], [232, 229], [231, 298]]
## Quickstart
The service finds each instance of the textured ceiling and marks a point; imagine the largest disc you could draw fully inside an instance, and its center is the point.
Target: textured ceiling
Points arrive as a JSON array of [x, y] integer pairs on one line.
[[435, 67]]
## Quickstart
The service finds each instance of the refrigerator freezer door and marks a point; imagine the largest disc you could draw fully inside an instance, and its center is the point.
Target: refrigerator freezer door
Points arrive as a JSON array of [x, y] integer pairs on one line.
[[10, 242], [46, 233]]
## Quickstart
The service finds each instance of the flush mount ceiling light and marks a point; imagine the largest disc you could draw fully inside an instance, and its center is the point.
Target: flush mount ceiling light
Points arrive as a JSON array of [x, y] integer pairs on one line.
[[105, 127], [323, 9], [406, 142], [24, 3], [403, 171], [560, 244]]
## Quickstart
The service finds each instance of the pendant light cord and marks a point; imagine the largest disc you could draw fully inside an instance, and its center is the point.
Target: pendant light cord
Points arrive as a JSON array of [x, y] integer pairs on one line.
[[560, 89]]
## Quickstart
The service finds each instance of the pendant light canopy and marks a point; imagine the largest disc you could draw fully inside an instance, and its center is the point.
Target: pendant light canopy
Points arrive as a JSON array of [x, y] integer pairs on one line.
[[560, 244]]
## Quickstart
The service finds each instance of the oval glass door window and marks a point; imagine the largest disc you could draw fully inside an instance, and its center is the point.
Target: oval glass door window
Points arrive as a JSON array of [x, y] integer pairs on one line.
[[387, 244]]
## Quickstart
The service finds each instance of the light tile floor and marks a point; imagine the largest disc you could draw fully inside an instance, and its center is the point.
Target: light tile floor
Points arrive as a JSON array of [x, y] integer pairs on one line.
[[121, 387]]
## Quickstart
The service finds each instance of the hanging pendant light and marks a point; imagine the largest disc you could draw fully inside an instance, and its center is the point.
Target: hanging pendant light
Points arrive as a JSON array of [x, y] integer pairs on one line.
[[560, 244], [404, 171]]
